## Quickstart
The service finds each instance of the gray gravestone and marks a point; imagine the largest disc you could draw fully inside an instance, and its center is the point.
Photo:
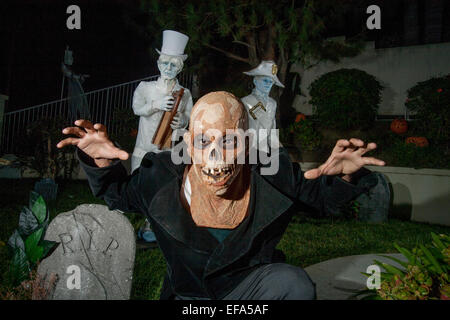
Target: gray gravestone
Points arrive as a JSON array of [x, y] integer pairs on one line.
[[374, 204], [95, 256]]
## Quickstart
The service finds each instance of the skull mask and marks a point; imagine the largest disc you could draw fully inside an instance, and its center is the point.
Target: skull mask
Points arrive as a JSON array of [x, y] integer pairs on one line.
[[216, 140], [219, 180]]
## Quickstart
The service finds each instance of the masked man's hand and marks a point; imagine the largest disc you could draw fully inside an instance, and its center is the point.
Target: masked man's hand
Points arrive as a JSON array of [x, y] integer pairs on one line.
[[93, 140], [345, 159], [179, 121], [164, 104]]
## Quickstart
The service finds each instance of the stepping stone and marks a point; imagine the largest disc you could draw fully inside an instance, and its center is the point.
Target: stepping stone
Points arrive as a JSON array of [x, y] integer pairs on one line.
[[340, 278]]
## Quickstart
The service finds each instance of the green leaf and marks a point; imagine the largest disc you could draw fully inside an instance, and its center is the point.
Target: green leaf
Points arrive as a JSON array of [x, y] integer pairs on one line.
[[431, 258], [19, 267], [402, 263], [32, 249], [38, 206], [389, 268], [27, 222], [16, 241], [437, 242], [411, 258]]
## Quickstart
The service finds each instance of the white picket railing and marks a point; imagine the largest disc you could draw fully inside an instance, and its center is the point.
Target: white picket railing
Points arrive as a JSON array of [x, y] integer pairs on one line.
[[101, 104]]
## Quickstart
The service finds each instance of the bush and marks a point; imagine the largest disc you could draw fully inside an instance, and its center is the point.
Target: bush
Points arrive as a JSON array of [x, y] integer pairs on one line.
[[304, 135], [346, 99], [400, 154], [41, 138], [431, 100], [424, 276]]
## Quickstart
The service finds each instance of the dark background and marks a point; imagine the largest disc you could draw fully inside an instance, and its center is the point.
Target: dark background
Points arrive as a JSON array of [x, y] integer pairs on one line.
[[33, 37], [114, 46]]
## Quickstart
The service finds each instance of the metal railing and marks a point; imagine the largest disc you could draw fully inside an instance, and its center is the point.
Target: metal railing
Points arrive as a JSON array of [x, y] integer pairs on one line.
[[102, 104]]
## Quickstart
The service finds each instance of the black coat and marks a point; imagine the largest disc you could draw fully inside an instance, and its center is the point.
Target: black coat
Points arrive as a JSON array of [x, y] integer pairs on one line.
[[197, 264]]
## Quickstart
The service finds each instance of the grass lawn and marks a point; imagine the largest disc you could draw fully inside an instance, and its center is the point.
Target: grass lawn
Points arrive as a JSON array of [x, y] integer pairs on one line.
[[306, 241]]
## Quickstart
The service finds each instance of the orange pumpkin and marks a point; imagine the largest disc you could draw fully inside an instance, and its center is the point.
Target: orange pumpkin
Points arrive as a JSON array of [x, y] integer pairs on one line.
[[399, 126], [418, 141], [133, 133], [300, 117]]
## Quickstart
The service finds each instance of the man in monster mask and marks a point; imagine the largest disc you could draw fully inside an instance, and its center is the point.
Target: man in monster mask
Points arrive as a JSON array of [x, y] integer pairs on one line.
[[218, 219]]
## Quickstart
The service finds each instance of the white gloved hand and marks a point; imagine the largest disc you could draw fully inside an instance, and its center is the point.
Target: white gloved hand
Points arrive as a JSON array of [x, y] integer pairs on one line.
[[178, 122], [164, 104]]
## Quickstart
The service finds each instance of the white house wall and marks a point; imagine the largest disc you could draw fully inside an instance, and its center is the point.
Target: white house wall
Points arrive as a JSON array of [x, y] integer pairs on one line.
[[397, 69]]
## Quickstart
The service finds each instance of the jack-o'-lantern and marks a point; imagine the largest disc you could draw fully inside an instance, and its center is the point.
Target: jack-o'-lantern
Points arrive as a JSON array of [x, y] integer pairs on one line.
[[399, 126], [418, 141], [300, 117]]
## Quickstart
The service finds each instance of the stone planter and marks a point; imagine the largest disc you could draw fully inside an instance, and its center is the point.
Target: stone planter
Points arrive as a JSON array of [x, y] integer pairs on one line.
[[421, 195]]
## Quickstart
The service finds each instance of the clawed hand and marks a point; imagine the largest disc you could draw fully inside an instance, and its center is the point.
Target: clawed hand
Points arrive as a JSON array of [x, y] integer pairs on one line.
[[93, 141], [345, 159]]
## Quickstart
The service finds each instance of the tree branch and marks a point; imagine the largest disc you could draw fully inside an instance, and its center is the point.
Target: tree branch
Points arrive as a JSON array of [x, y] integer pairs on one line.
[[243, 43], [228, 54]]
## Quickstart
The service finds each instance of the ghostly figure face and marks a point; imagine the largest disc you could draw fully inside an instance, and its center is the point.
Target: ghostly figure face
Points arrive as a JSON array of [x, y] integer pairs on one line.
[[263, 83], [169, 66], [216, 140]]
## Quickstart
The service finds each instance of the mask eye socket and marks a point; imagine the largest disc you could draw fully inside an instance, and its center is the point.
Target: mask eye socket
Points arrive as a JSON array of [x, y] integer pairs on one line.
[[229, 141], [201, 141]]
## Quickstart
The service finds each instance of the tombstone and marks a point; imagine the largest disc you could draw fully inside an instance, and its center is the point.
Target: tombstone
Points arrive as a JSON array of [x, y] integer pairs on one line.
[[94, 259], [374, 204]]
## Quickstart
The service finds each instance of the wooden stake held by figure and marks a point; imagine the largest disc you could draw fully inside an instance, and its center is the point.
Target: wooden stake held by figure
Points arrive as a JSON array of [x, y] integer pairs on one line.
[[163, 135]]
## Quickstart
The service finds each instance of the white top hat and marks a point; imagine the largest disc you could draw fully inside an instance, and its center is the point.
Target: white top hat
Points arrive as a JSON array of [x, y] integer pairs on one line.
[[174, 43], [266, 68]]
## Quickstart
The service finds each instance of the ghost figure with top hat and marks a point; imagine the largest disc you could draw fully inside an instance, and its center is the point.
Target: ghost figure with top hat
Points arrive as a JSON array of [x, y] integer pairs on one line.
[[152, 98], [260, 107]]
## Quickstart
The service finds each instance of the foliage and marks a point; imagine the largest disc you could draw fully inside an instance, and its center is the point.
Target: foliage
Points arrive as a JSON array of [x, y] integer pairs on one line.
[[424, 276], [431, 100], [27, 242], [36, 287], [295, 28], [346, 99], [402, 154], [350, 210], [49, 161], [304, 135], [248, 31]]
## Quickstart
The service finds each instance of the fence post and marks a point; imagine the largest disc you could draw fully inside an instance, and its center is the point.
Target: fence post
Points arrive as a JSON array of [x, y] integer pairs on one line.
[[3, 100]]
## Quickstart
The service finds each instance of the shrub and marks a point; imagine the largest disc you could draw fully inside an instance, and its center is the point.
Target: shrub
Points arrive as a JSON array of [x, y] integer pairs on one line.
[[403, 154], [425, 274], [346, 99], [42, 137], [431, 100], [304, 135]]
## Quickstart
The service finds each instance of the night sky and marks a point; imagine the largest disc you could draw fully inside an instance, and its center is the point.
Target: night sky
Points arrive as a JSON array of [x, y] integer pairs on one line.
[[114, 46], [33, 37]]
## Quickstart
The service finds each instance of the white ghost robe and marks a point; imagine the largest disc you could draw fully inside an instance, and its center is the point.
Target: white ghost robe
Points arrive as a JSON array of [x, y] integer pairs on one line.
[[146, 93], [264, 119]]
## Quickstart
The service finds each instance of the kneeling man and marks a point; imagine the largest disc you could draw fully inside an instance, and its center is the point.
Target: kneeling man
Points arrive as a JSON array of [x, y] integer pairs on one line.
[[218, 219]]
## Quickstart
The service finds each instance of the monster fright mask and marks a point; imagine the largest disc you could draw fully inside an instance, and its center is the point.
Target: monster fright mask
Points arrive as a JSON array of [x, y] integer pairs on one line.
[[220, 183]]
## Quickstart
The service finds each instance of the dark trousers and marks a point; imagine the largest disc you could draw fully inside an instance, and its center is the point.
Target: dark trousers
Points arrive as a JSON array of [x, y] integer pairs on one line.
[[275, 281]]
